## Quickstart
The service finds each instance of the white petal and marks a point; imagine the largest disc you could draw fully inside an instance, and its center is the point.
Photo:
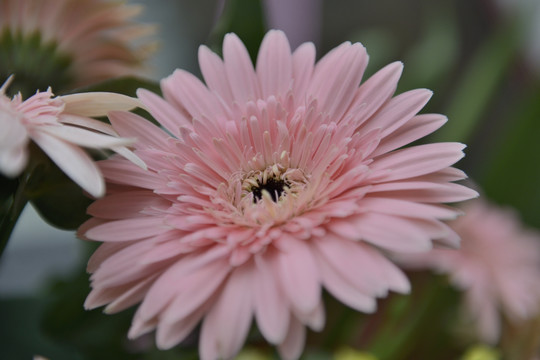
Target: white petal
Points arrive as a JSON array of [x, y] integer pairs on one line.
[[73, 161], [85, 138]]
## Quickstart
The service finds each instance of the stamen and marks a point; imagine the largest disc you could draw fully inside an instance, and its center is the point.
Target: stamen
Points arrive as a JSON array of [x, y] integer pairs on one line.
[[273, 187]]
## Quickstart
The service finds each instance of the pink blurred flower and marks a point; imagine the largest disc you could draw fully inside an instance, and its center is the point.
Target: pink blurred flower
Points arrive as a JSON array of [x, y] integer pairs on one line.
[[266, 186], [93, 40], [60, 126], [498, 266]]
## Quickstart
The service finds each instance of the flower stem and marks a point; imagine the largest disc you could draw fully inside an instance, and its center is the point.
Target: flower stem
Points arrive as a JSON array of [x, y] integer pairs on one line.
[[14, 210]]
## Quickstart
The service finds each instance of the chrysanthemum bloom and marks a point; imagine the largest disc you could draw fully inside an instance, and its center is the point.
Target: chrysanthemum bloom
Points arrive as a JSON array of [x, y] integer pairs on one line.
[[60, 126], [497, 266], [267, 186], [70, 43]]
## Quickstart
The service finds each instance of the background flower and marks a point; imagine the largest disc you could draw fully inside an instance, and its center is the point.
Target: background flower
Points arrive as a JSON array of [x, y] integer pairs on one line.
[[497, 267], [70, 43], [277, 182]]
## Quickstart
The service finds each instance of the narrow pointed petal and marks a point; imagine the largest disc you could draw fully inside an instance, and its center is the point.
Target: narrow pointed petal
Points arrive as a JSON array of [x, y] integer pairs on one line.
[[291, 348], [419, 160], [213, 71], [274, 64], [86, 138], [377, 90], [271, 308], [299, 275], [98, 103], [239, 69], [234, 306], [303, 65], [74, 162], [133, 126], [162, 111]]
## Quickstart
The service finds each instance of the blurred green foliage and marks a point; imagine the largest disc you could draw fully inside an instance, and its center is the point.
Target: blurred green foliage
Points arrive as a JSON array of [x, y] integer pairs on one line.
[[245, 18]]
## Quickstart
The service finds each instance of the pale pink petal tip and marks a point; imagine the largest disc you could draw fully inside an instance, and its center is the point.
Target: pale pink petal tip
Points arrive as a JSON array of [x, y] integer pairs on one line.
[[266, 185], [94, 104]]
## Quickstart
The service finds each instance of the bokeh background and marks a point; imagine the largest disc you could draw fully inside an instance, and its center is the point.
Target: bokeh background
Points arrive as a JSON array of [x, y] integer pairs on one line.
[[480, 57]]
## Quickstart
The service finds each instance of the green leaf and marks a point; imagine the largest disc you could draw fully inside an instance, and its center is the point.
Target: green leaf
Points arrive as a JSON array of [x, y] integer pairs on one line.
[[125, 85], [22, 337], [53, 194], [12, 202], [61, 202], [479, 84], [244, 18], [510, 173], [7, 190], [429, 62]]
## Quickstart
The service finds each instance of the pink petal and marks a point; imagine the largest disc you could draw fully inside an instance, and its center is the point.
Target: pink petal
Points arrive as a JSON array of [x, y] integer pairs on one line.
[[407, 208], [191, 94], [336, 78], [125, 205], [343, 290], [299, 275], [423, 191], [162, 292], [418, 160], [213, 71], [303, 64], [376, 90], [239, 69], [127, 229], [403, 235], [274, 64], [315, 319], [134, 126], [194, 289], [162, 111], [292, 347], [416, 128], [361, 266], [130, 297], [234, 306], [13, 133], [119, 171], [271, 308], [398, 111], [169, 335], [103, 252]]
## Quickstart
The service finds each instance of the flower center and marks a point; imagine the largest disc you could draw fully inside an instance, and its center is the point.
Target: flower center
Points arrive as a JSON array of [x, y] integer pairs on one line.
[[271, 182], [266, 196], [274, 186]]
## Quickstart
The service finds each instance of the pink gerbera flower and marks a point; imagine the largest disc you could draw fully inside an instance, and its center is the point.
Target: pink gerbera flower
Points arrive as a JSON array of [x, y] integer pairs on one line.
[[60, 126], [266, 186], [498, 267]]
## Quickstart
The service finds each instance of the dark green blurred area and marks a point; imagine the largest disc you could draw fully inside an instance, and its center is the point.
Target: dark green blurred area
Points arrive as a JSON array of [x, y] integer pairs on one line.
[[468, 51]]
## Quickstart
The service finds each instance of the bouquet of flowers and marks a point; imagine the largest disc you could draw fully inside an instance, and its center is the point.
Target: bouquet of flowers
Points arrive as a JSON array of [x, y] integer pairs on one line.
[[288, 203]]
